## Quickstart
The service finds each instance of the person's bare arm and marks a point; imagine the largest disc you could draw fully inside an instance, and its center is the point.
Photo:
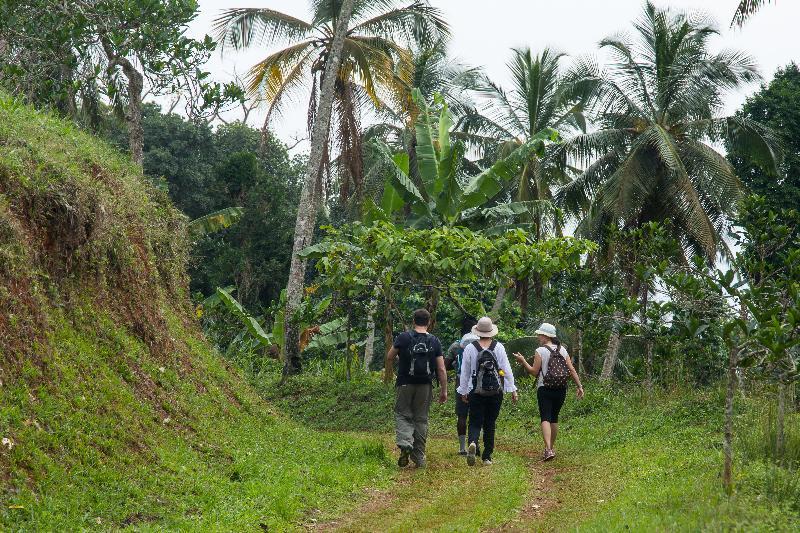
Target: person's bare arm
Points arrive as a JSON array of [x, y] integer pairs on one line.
[[388, 368], [534, 369], [575, 377], [441, 373]]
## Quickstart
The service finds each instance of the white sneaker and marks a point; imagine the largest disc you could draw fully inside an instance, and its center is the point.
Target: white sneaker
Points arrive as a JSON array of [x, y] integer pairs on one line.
[[487, 462], [471, 454]]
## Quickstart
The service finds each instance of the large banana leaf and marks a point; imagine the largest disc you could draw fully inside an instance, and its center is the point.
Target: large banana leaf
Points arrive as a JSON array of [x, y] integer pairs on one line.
[[514, 209], [427, 158], [330, 334], [213, 222], [491, 181], [253, 327]]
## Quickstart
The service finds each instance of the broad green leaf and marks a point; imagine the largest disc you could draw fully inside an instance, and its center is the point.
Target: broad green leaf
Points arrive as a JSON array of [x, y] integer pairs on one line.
[[427, 158], [252, 325], [491, 181], [449, 196], [213, 222]]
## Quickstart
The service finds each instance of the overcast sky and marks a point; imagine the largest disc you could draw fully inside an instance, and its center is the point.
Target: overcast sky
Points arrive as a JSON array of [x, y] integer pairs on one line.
[[483, 32]]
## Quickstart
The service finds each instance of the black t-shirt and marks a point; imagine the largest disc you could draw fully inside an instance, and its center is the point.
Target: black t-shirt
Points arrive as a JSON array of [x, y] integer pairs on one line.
[[404, 342]]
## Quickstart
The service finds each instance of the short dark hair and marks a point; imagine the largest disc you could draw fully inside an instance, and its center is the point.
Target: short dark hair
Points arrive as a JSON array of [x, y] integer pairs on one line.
[[422, 317]]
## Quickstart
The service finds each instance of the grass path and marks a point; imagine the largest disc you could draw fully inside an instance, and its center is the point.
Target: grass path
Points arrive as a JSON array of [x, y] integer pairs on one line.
[[510, 495]]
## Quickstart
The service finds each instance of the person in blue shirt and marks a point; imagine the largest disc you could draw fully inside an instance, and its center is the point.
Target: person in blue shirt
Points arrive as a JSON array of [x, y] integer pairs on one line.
[[453, 362]]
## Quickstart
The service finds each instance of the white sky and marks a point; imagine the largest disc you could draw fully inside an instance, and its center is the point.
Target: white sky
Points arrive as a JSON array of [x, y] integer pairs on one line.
[[483, 32]]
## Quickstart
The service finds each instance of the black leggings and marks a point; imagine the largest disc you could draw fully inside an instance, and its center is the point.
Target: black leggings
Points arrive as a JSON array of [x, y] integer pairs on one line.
[[483, 413], [550, 402]]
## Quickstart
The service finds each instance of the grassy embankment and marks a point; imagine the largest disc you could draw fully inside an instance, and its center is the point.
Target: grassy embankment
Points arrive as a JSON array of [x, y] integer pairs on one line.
[[114, 412]]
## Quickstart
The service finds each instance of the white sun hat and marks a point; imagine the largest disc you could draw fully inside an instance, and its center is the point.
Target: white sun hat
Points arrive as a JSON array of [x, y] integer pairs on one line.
[[485, 328], [547, 329]]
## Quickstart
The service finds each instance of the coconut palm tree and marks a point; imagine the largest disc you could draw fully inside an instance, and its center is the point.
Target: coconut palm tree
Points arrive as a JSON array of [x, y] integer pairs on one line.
[[542, 96], [652, 157], [376, 61]]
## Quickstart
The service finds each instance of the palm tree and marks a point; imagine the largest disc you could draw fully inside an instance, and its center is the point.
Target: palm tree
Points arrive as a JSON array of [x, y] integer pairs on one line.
[[375, 61], [747, 9], [652, 157], [541, 97], [309, 201]]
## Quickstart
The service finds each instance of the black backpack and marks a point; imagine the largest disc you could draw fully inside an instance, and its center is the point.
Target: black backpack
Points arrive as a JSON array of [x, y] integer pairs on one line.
[[487, 380], [557, 370], [421, 353]]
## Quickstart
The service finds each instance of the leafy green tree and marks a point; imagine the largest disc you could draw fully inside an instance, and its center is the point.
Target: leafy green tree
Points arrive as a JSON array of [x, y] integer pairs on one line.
[[652, 158], [113, 49], [375, 62], [777, 106]]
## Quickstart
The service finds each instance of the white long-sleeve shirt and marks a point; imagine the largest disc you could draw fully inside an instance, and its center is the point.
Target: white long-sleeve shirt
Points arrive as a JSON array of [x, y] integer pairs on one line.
[[469, 363]]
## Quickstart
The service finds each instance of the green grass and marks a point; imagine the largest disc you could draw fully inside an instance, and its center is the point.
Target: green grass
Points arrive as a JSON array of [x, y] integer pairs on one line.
[[93, 447], [625, 462]]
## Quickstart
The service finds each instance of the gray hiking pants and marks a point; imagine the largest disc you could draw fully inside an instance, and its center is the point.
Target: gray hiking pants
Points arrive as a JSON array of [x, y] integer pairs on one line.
[[411, 418]]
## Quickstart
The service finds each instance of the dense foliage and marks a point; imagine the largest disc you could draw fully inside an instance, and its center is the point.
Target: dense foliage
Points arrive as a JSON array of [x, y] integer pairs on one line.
[[776, 105]]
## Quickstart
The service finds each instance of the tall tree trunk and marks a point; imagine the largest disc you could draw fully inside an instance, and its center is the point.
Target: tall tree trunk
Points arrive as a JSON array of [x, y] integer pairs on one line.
[[648, 341], [388, 334], [780, 436], [579, 351], [133, 116], [369, 347], [730, 393], [348, 353], [727, 444], [307, 208], [432, 305], [494, 312], [612, 349]]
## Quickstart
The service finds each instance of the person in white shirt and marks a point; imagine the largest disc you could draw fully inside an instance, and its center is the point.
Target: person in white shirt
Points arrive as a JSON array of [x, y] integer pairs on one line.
[[550, 396], [483, 398]]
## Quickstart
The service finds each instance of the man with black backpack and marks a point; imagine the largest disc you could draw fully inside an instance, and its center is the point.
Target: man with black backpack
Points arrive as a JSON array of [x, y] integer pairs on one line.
[[485, 375], [420, 358]]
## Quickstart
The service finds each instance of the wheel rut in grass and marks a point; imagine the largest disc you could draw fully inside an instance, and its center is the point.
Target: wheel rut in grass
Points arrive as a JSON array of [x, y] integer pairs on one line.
[[510, 495]]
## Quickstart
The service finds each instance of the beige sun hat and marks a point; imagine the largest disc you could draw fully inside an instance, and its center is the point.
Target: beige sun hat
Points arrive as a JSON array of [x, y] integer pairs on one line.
[[485, 327], [547, 329]]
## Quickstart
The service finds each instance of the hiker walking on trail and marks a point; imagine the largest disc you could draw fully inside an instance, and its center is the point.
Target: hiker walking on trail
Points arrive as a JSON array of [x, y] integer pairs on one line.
[[452, 361], [485, 375], [552, 368], [420, 358]]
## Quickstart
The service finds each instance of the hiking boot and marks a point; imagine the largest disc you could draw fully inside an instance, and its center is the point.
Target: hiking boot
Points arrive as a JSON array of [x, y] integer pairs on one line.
[[421, 463], [402, 462], [471, 454]]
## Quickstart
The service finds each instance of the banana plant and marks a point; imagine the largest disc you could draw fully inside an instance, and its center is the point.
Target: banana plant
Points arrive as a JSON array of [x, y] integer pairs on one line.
[[213, 222], [325, 336], [442, 196]]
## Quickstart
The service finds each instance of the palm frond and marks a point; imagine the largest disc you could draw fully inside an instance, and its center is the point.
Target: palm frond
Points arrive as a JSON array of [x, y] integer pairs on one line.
[[745, 10], [239, 27], [418, 22]]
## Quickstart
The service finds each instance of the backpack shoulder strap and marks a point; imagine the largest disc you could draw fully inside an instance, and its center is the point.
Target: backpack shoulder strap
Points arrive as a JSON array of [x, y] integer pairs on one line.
[[492, 346], [477, 346]]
